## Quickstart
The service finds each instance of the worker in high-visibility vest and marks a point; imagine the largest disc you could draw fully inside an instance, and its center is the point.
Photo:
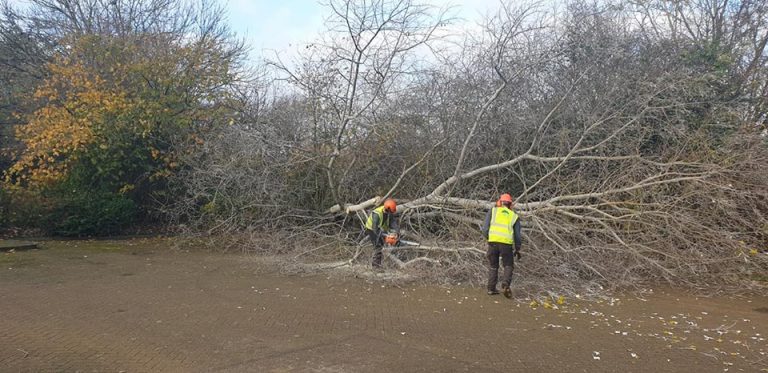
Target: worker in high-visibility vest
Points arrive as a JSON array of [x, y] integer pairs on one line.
[[502, 230], [381, 228]]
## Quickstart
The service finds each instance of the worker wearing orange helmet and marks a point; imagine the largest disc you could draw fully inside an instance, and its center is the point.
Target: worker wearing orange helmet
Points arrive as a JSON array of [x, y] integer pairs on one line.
[[502, 230], [381, 228]]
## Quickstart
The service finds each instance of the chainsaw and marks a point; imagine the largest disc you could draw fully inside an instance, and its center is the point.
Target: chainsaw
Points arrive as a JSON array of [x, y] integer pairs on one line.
[[393, 240]]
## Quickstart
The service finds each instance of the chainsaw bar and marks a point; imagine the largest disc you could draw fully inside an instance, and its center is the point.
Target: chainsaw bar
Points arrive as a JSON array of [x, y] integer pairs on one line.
[[408, 243]]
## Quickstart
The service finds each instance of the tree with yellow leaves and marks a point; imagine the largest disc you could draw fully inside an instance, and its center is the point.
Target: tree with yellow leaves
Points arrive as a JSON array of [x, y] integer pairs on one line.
[[77, 106], [116, 105]]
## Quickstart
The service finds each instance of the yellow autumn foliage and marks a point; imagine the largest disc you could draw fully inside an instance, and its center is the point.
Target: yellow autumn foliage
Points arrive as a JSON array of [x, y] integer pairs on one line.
[[76, 101], [114, 103]]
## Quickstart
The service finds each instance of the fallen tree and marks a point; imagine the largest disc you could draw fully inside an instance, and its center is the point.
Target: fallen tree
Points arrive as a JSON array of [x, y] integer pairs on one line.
[[634, 156]]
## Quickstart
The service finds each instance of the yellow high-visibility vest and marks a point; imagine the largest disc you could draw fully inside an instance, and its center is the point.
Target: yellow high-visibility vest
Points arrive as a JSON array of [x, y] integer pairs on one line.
[[502, 223], [383, 225]]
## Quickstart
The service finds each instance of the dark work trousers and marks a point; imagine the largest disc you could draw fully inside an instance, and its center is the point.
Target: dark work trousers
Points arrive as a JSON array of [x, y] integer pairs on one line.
[[507, 254], [378, 242]]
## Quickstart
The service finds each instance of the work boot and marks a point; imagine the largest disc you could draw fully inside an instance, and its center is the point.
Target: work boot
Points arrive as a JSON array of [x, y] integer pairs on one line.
[[506, 290]]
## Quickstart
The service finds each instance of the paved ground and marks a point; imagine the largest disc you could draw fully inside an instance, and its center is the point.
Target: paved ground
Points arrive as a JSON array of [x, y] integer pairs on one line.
[[136, 306]]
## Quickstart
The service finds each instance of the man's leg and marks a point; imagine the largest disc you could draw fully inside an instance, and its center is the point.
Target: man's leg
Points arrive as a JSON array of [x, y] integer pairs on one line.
[[377, 245], [493, 267], [508, 261]]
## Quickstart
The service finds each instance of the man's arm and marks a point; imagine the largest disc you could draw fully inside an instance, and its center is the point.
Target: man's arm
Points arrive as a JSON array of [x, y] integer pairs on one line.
[[518, 238], [487, 224], [375, 227]]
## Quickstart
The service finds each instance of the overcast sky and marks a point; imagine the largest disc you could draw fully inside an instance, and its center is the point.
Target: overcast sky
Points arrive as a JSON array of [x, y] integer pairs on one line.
[[277, 23], [282, 25]]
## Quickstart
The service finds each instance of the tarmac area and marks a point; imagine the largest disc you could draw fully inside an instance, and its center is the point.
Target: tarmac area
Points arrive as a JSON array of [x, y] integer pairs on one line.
[[138, 306]]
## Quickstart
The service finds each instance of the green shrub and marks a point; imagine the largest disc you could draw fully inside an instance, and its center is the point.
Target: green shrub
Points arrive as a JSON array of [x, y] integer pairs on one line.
[[21, 209], [4, 208], [90, 213]]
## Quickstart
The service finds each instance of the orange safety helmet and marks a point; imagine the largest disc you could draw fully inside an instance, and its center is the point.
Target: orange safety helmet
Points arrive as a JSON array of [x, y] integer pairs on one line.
[[390, 205], [505, 198]]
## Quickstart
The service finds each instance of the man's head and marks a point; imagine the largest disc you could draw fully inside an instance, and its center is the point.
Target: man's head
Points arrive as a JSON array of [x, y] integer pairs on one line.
[[390, 206], [506, 201]]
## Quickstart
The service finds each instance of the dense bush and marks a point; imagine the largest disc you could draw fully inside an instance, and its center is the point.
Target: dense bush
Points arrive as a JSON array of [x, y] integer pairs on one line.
[[4, 208], [87, 213], [90, 132], [21, 209], [70, 213]]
